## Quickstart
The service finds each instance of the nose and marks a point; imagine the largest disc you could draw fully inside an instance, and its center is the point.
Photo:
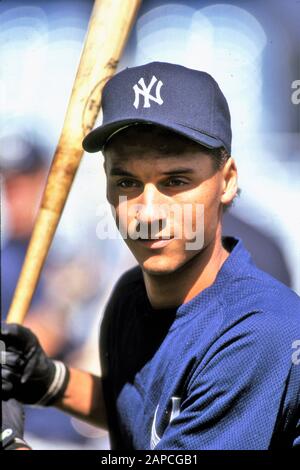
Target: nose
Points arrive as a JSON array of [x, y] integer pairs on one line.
[[151, 213]]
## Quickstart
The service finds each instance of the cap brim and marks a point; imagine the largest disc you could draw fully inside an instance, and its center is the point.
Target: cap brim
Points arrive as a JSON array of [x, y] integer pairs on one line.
[[95, 140]]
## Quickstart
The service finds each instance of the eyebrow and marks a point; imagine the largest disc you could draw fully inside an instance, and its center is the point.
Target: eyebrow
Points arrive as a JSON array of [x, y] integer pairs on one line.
[[118, 171]]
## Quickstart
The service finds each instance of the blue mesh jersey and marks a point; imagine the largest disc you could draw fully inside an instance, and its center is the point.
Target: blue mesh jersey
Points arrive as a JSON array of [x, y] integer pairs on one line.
[[221, 371]]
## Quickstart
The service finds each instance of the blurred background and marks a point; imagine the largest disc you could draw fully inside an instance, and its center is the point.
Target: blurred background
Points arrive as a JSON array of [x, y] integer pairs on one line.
[[251, 47]]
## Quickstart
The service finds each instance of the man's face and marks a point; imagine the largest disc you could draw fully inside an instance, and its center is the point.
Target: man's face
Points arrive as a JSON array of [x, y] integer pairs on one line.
[[156, 169]]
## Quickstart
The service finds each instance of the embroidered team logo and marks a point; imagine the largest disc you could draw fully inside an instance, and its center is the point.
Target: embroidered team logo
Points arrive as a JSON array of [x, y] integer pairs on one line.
[[167, 419], [140, 89]]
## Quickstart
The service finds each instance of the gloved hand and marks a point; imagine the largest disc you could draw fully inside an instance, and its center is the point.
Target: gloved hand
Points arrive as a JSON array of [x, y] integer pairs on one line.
[[12, 427], [28, 374]]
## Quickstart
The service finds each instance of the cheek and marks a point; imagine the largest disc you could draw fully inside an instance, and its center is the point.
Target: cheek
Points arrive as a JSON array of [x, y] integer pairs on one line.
[[110, 195], [204, 217], [124, 215], [210, 194], [207, 195]]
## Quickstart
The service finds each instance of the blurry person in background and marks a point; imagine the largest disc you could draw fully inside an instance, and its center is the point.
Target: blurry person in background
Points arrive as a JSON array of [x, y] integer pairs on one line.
[[23, 169], [52, 316]]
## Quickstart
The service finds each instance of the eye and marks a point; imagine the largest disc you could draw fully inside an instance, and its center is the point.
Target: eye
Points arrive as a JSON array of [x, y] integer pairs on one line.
[[175, 182], [127, 183]]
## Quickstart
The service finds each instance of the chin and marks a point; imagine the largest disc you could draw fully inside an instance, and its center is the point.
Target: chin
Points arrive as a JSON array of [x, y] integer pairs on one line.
[[160, 265]]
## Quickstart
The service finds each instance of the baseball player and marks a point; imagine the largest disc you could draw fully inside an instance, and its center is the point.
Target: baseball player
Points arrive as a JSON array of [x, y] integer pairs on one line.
[[197, 345]]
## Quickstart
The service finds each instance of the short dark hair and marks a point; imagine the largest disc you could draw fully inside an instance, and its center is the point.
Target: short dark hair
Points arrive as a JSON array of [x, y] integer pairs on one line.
[[219, 157]]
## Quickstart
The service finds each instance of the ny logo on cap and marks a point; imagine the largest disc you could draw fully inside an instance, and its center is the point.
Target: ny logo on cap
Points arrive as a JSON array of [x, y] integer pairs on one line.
[[145, 92]]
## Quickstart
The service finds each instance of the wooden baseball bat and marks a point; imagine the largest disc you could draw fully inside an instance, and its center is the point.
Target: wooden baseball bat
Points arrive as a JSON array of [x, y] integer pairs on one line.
[[109, 27]]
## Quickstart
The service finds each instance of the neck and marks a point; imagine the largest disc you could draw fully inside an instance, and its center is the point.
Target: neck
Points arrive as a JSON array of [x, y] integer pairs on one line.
[[179, 287]]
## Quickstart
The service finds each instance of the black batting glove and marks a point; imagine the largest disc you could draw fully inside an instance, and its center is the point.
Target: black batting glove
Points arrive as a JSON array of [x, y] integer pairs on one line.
[[12, 427], [28, 374]]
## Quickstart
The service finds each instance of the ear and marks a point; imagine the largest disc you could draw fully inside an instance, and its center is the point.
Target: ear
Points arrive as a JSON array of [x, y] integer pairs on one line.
[[230, 181]]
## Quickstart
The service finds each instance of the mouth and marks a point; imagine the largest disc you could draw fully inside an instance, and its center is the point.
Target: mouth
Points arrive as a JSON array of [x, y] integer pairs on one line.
[[154, 243]]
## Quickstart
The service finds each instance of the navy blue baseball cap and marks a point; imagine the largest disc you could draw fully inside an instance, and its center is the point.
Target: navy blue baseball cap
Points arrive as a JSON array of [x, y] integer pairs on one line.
[[180, 99]]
